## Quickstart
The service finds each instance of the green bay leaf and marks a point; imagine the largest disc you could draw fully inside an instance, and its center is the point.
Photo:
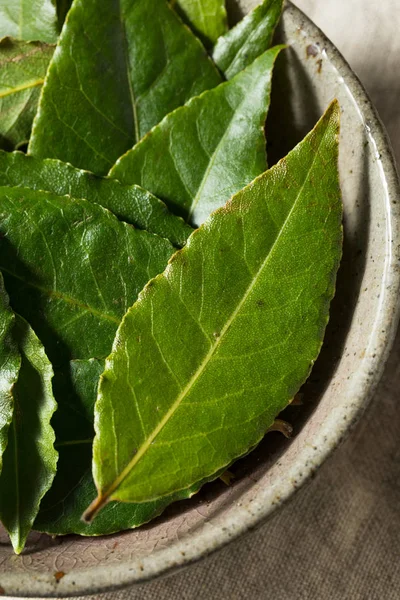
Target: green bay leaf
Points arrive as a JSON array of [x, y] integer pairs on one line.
[[207, 150], [10, 364], [131, 204], [252, 36], [23, 68], [119, 68], [30, 459], [207, 18], [219, 344], [73, 489], [72, 269], [29, 20]]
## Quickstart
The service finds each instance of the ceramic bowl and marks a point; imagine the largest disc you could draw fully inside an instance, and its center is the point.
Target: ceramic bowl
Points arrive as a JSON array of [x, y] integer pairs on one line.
[[358, 340]]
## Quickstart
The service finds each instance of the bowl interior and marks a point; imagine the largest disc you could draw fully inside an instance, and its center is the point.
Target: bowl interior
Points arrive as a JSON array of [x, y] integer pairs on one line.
[[308, 77]]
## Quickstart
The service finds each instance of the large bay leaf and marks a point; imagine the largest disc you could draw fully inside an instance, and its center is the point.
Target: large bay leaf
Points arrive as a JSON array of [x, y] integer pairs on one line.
[[30, 460], [72, 269], [29, 20], [23, 68], [218, 344], [10, 363], [129, 203], [73, 488], [119, 68], [207, 18], [206, 151], [240, 46]]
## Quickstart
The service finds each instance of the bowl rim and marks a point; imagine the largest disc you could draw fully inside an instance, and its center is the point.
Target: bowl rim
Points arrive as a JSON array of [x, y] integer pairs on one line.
[[207, 540]]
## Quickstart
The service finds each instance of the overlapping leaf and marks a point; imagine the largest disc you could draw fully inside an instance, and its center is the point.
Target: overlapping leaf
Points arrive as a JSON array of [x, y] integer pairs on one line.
[[23, 68], [252, 36], [218, 345], [30, 460], [10, 363], [209, 149], [129, 203], [119, 68], [72, 269], [29, 20], [207, 18]]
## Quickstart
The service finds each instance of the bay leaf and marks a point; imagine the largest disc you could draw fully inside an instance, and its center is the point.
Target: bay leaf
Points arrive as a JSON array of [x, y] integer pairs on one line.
[[207, 150], [131, 204], [73, 489], [220, 343], [207, 18], [30, 460], [72, 269], [119, 68], [23, 68], [252, 36], [29, 20], [10, 364]]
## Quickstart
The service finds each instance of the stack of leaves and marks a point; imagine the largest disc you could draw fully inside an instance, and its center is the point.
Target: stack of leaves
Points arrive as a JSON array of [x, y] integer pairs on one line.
[[163, 295]]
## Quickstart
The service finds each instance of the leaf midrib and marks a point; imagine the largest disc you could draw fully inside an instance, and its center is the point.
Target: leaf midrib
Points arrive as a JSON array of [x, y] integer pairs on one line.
[[61, 295], [21, 88], [213, 158], [145, 446]]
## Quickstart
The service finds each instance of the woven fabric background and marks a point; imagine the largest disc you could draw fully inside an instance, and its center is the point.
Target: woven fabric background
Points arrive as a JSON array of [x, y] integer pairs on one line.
[[339, 538]]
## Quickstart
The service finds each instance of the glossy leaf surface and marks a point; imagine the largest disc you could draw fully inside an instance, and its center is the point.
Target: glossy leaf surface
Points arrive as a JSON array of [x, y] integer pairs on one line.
[[73, 488], [72, 269], [30, 460], [129, 203], [23, 68], [206, 151], [219, 344], [10, 363], [252, 36], [119, 68], [207, 18], [29, 20]]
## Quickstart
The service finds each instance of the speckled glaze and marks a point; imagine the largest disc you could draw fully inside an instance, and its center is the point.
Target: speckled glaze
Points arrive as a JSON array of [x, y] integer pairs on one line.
[[358, 340]]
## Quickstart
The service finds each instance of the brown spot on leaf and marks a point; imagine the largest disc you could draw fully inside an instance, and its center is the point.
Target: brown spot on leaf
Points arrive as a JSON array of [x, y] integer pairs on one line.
[[260, 303], [2, 591], [59, 575]]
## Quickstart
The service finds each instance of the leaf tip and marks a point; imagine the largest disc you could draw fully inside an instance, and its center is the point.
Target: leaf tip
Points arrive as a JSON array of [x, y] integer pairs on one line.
[[333, 110], [18, 542]]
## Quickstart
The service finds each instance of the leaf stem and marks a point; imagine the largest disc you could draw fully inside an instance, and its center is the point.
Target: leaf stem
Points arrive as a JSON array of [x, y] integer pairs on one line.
[[94, 508]]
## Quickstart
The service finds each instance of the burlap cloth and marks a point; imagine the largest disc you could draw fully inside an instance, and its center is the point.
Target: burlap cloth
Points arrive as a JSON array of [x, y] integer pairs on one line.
[[339, 538]]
